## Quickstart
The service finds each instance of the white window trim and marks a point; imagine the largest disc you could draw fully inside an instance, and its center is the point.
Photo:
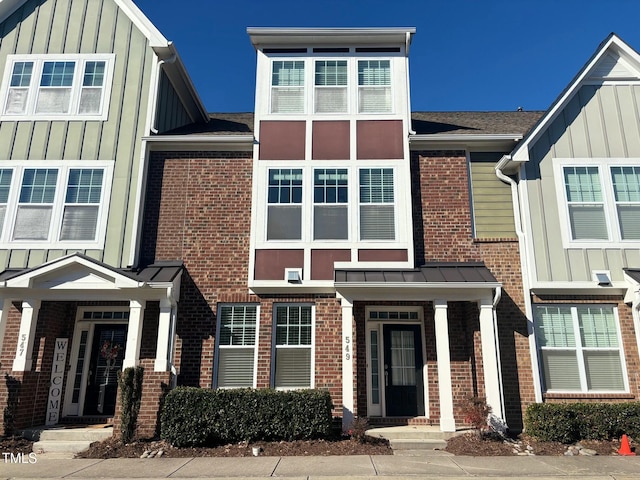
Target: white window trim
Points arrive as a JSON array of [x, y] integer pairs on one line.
[[38, 60], [579, 349], [53, 240], [611, 216], [274, 346], [217, 346]]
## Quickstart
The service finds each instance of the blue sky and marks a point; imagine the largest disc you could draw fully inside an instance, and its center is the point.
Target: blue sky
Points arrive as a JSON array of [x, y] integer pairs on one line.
[[466, 54]]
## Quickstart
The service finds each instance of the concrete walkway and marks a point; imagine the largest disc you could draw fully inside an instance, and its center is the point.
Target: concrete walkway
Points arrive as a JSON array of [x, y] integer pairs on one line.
[[362, 467]]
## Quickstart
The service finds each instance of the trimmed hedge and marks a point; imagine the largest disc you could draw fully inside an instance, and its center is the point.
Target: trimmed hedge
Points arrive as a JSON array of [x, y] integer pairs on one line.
[[571, 422], [200, 417]]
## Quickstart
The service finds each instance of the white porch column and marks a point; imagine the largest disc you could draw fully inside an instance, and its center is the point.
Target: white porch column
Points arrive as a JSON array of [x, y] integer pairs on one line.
[[5, 304], [164, 329], [30, 309], [447, 422], [490, 364], [134, 334], [347, 363]]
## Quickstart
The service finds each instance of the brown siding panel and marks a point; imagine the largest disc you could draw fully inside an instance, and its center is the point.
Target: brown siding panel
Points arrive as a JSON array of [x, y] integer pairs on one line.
[[373, 255], [282, 140], [380, 139], [331, 140], [270, 264], [322, 262]]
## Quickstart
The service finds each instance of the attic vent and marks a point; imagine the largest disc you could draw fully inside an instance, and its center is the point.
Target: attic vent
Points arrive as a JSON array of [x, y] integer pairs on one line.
[[284, 50], [612, 66], [331, 50], [377, 49]]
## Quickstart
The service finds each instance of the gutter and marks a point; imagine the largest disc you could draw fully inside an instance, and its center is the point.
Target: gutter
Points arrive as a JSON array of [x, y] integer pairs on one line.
[[155, 89], [517, 216]]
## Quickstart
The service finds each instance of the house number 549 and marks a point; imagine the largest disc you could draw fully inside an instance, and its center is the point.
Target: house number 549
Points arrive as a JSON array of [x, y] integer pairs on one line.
[[347, 348]]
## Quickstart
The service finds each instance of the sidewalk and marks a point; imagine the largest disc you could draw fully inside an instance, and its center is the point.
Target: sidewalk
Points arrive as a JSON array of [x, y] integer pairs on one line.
[[362, 467]]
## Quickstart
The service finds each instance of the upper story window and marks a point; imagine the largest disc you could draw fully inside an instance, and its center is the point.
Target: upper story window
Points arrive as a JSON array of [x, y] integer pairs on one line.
[[374, 86], [284, 211], [287, 86], [377, 204], [57, 87], [331, 204], [580, 348], [331, 94], [601, 201], [54, 206]]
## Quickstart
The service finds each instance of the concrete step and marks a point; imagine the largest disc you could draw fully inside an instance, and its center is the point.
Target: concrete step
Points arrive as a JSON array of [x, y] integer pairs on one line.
[[58, 446], [65, 440], [409, 439], [417, 444]]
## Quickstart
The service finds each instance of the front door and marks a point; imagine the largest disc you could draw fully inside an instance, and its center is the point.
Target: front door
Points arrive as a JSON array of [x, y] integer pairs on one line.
[[404, 387], [107, 352]]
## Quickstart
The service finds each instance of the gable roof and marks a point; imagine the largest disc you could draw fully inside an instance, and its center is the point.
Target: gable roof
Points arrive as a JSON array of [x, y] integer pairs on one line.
[[613, 59]]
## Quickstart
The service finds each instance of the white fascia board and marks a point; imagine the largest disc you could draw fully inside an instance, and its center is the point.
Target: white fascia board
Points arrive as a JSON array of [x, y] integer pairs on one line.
[[268, 36], [416, 291], [521, 153], [278, 287], [372, 265], [503, 141], [578, 288], [187, 142]]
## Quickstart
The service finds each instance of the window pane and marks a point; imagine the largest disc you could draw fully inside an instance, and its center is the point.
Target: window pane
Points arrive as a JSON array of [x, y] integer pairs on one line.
[[554, 327], [374, 72], [293, 325], [331, 72], [235, 367], [588, 222], [90, 100], [21, 75], [79, 223], [598, 327], [374, 99], [376, 185], [5, 184], [560, 369], [16, 101], [84, 185], [604, 370], [375, 369], [626, 189], [238, 325], [377, 222], [38, 185], [32, 223], [288, 73], [583, 184], [330, 223], [93, 74], [331, 100], [53, 100], [284, 223], [293, 368], [57, 74], [629, 220]]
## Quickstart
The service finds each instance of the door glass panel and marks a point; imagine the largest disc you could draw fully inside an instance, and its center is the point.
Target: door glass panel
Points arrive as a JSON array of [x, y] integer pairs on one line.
[[77, 382], [375, 369], [403, 365]]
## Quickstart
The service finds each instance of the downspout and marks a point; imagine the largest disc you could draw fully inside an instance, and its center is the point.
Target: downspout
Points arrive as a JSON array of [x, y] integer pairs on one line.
[[525, 272], [496, 300], [155, 86]]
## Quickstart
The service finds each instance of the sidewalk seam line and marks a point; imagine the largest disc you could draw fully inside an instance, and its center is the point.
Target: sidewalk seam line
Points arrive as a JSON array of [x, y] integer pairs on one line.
[[84, 468], [375, 470], [275, 467], [180, 467]]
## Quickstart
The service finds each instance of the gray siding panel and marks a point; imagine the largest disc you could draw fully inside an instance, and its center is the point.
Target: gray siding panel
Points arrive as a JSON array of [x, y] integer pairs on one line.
[[171, 113], [601, 121], [84, 26]]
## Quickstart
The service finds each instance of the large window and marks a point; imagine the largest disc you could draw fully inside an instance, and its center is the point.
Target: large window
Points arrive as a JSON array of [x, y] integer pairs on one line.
[[236, 355], [57, 87], [287, 86], [580, 348], [331, 204], [374, 86], [331, 94], [293, 346], [377, 208], [284, 215], [602, 201], [48, 205]]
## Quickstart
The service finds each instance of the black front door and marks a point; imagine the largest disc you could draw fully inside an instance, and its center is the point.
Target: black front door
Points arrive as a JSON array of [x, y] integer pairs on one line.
[[107, 353], [404, 384]]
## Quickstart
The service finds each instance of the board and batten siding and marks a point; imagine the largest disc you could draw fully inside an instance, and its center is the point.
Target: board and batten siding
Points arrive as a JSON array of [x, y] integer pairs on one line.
[[600, 121], [492, 202], [171, 112], [84, 26]]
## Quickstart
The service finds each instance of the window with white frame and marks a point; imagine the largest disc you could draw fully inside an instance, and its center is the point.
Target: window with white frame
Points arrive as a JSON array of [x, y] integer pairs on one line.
[[236, 355], [331, 94], [284, 204], [53, 205], [331, 204], [293, 346], [57, 86], [374, 86], [580, 348], [377, 204], [601, 200], [287, 86]]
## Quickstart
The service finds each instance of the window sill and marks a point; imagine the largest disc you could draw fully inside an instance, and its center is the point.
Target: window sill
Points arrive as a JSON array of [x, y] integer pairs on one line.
[[589, 396]]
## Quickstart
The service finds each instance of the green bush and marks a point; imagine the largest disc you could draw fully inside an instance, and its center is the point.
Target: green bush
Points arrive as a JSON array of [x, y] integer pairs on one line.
[[570, 422], [130, 384], [196, 416]]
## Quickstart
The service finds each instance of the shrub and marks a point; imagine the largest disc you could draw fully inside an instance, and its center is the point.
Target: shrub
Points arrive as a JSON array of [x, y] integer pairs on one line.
[[196, 417], [358, 429], [476, 412], [130, 384], [570, 422]]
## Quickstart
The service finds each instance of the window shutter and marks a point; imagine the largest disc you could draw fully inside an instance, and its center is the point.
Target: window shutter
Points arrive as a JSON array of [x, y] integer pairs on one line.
[[293, 367], [235, 367], [79, 223]]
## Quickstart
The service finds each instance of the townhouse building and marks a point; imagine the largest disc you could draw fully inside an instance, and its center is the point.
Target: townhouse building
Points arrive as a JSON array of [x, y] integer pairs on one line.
[[332, 239]]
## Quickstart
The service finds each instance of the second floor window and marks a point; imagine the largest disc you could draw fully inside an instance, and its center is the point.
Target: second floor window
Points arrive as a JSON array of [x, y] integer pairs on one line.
[[377, 204], [287, 86], [284, 214], [331, 204], [57, 87]]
